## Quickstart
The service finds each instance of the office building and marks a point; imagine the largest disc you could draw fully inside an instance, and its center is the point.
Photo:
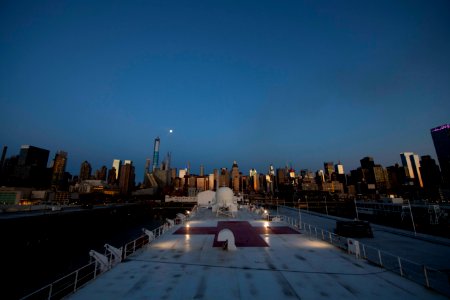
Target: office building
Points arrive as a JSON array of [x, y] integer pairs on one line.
[[59, 168], [329, 170], [254, 180], [85, 171], [112, 176], [156, 154], [116, 165], [235, 177], [431, 176], [100, 174], [412, 163], [340, 173], [224, 178], [31, 168], [33, 156], [126, 179], [441, 141]]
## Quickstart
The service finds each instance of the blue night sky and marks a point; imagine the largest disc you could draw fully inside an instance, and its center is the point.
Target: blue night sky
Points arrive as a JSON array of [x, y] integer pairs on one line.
[[259, 82]]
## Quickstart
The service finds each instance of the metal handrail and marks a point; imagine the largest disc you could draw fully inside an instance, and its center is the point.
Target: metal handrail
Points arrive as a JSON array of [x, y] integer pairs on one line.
[[59, 289], [422, 274]]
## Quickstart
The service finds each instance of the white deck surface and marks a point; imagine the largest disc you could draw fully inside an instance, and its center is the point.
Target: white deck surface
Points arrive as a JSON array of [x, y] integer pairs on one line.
[[292, 267], [425, 249]]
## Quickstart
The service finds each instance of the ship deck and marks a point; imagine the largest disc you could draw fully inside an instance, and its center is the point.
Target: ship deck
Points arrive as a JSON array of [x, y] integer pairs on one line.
[[272, 261]]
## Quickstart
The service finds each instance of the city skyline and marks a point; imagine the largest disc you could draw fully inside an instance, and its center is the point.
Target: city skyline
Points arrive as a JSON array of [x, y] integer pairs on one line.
[[260, 83], [74, 168]]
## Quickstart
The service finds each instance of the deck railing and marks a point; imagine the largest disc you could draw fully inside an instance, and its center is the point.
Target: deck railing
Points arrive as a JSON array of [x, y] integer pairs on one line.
[[78, 278], [419, 273]]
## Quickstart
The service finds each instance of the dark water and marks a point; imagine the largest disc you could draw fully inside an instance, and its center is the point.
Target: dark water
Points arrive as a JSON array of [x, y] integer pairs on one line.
[[35, 251]]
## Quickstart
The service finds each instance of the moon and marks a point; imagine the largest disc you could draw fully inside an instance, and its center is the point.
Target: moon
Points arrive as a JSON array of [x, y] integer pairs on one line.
[[170, 130]]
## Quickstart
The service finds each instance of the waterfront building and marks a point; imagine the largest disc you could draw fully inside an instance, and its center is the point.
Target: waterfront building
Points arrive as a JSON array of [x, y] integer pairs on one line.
[[116, 165], [100, 174], [156, 154], [367, 162], [320, 177], [397, 176], [254, 180], [441, 141], [211, 185], [431, 176], [85, 171], [340, 173], [281, 177], [191, 181], [381, 179], [126, 179], [202, 183], [33, 156], [329, 170], [182, 173], [224, 178], [162, 177], [235, 177], [59, 168], [31, 166], [412, 163], [112, 179]]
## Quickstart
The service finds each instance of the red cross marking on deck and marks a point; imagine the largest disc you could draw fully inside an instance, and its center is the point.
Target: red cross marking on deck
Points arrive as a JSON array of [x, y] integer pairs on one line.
[[245, 235]]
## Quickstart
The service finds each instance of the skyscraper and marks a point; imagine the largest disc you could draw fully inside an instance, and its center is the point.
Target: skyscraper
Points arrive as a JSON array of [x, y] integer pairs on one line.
[[127, 176], [412, 163], [431, 176], [59, 167], [340, 173], [441, 141], [30, 155], [116, 165], [32, 165], [156, 153], [112, 176], [235, 178], [85, 171], [329, 169], [100, 174]]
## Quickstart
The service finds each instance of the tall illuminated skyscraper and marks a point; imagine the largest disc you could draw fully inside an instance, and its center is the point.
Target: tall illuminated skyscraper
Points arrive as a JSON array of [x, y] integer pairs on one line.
[[116, 165], [156, 153], [441, 141]]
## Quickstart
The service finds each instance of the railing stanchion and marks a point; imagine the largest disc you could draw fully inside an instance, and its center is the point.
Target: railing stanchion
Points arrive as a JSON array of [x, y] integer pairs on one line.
[[400, 266], [426, 276], [76, 280], [379, 257], [50, 292]]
